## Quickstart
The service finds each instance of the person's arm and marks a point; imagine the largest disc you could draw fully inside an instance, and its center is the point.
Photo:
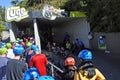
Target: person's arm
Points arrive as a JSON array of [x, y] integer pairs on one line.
[[25, 67], [76, 76], [100, 76], [46, 60], [31, 62]]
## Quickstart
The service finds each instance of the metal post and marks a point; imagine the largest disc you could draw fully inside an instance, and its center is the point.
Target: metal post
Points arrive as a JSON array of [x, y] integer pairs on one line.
[[52, 71], [37, 38], [12, 36]]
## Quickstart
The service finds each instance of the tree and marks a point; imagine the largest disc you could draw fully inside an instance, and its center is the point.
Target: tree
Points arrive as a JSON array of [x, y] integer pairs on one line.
[[2, 27], [14, 2], [103, 15], [38, 4]]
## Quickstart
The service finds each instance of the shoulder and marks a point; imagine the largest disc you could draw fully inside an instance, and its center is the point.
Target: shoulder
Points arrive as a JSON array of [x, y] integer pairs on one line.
[[97, 71]]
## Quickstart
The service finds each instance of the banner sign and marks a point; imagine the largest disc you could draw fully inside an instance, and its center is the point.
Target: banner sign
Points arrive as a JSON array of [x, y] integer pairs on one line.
[[50, 12], [77, 14], [15, 14]]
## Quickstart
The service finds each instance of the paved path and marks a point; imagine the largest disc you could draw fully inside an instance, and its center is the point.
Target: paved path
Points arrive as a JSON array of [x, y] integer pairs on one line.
[[108, 64]]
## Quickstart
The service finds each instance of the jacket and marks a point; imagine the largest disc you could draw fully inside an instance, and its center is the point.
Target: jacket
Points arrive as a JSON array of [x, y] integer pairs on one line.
[[79, 76]]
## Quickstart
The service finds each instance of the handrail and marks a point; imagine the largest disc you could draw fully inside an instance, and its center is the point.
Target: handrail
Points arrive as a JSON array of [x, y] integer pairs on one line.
[[56, 67]]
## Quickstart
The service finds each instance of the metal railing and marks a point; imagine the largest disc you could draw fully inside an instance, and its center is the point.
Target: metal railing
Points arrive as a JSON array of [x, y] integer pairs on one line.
[[53, 70]]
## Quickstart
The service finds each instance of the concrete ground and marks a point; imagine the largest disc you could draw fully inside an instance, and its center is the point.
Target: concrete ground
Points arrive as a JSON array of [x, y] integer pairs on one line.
[[108, 63]]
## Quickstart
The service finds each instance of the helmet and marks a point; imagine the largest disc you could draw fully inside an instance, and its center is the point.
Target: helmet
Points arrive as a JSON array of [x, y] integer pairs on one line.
[[20, 41], [100, 37], [28, 44], [3, 51], [46, 78], [31, 73], [18, 49], [70, 61], [85, 54], [2, 44], [32, 38], [8, 45], [34, 48], [12, 41]]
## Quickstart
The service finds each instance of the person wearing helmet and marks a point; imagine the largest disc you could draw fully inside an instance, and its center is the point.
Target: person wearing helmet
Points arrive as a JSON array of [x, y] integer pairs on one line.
[[86, 70], [28, 44], [79, 45], [21, 42], [69, 68], [32, 40], [39, 61], [12, 43], [31, 74], [46, 78], [2, 44], [3, 63], [31, 53], [28, 47], [10, 53], [16, 67]]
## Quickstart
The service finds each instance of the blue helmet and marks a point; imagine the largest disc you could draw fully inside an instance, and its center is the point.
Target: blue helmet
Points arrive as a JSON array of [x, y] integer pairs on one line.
[[46, 78], [31, 73], [85, 54], [18, 50], [3, 44], [34, 48]]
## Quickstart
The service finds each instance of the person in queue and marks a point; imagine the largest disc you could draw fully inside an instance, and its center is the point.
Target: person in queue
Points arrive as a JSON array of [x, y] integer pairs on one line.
[[39, 61], [69, 68], [16, 67], [86, 69], [3, 63]]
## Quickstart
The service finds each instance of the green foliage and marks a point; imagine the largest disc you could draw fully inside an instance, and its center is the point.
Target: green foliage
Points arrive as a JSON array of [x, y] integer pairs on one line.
[[14, 2], [75, 5], [37, 5], [23, 3], [2, 27], [104, 15]]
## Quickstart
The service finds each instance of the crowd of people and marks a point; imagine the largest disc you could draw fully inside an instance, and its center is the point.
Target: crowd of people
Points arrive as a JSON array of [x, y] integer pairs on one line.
[[21, 60]]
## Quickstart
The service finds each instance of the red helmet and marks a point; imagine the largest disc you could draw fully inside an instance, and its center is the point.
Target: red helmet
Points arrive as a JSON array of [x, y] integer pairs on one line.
[[70, 61]]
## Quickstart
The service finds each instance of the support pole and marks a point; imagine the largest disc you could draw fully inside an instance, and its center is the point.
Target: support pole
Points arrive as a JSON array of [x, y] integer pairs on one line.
[[12, 36], [36, 34]]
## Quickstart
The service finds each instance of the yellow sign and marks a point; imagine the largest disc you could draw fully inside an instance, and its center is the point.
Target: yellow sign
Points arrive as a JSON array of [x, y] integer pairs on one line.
[[15, 14]]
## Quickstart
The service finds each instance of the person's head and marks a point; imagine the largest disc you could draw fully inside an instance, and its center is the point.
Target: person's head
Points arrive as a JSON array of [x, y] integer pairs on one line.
[[28, 44], [3, 44], [85, 55], [34, 48], [3, 51], [100, 37], [8, 45], [18, 50], [31, 74], [69, 61], [87, 66]]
